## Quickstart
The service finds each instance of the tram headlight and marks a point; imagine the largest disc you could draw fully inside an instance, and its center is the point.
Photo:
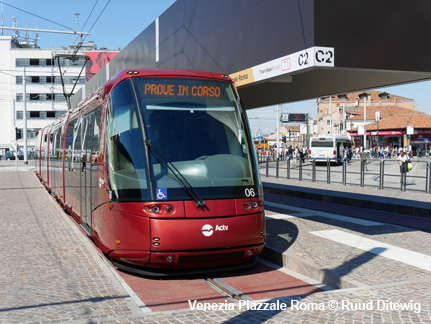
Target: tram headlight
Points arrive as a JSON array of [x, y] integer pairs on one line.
[[170, 259], [155, 209], [247, 205], [254, 204], [169, 209]]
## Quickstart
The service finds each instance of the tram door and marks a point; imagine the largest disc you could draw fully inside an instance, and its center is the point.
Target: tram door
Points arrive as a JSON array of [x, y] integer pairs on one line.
[[86, 170], [339, 151]]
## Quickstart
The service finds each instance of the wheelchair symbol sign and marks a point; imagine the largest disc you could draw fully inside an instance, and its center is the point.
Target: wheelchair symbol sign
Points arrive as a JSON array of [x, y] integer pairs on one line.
[[162, 194]]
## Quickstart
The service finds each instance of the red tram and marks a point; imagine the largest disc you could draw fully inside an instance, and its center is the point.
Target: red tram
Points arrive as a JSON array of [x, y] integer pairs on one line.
[[158, 167]]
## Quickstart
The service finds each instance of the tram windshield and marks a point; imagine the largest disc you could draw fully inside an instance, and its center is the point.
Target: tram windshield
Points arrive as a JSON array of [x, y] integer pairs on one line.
[[196, 126]]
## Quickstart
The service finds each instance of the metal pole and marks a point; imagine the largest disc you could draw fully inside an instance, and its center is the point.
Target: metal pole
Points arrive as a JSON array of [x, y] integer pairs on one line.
[[278, 130], [344, 172], [44, 31], [288, 168], [313, 173], [277, 168], [429, 180], [267, 166], [328, 171], [25, 120], [344, 118], [330, 112], [14, 130], [308, 131], [382, 175], [365, 122], [2, 22], [300, 169]]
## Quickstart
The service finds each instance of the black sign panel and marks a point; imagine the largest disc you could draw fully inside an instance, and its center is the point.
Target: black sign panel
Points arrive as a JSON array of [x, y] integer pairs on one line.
[[297, 117]]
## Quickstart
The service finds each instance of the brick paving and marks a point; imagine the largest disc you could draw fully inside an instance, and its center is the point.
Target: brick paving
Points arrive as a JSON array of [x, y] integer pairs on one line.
[[52, 274]]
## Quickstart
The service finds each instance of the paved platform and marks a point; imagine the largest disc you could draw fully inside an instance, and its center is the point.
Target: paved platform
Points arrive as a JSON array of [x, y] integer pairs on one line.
[[51, 273], [409, 208]]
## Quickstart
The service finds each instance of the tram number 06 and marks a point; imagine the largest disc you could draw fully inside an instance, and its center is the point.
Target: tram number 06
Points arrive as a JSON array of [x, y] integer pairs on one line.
[[249, 192]]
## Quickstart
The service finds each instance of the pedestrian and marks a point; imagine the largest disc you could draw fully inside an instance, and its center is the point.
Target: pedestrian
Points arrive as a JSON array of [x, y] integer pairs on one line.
[[346, 155], [83, 160], [290, 152], [403, 159]]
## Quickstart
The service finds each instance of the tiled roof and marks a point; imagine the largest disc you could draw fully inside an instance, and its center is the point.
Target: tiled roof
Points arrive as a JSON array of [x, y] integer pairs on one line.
[[399, 122], [375, 96], [385, 112], [418, 120]]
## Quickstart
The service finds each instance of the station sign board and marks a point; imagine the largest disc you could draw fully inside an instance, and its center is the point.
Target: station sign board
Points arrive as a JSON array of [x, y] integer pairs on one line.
[[310, 58], [410, 130], [288, 118]]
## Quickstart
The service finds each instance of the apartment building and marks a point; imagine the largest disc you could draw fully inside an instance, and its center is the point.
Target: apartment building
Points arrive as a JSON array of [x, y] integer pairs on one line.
[[30, 80]]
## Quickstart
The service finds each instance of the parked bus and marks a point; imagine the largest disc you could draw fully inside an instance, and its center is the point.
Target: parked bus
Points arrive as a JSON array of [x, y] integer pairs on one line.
[[330, 146], [261, 145]]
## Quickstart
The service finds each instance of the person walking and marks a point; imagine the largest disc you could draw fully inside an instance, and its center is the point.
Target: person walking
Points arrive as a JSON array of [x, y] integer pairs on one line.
[[403, 159]]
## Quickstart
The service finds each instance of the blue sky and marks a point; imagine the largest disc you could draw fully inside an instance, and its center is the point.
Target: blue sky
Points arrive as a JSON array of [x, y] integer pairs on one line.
[[119, 24], [263, 120], [122, 21]]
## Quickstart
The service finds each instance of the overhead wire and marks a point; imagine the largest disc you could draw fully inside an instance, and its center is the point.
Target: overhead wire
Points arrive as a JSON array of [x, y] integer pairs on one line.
[[76, 50], [95, 22], [37, 84], [85, 23], [30, 13], [97, 19], [83, 26]]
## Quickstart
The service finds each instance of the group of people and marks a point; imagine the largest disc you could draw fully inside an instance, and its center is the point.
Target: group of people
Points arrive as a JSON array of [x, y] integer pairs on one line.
[[388, 152], [292, 153], [403, 156]]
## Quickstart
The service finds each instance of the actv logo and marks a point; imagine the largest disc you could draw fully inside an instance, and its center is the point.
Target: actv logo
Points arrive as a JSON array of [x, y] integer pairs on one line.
[[208, 230]]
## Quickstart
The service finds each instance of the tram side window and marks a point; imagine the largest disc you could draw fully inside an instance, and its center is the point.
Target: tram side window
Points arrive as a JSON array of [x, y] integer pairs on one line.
[[36, 151], [58, 151], [86, 139], [76, 146], [73, 166], [95, 138], [95, 156], [125, 147], [69, 138], [44, 148], [50, 156]]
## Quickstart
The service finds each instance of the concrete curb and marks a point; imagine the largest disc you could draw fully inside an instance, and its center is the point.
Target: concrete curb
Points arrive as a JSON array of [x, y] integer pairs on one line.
[[306, 268]]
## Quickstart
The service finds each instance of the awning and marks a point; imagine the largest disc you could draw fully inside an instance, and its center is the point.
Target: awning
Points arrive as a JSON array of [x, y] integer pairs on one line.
[[381, 133]]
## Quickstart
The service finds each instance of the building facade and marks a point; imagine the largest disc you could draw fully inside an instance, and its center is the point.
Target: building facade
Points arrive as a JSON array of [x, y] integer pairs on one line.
[[334, 115], [30, 80]]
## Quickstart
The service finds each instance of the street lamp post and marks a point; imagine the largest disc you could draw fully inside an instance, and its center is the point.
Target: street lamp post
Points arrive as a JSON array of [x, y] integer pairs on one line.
[[365, 122], [377, 115], [351, 129], [364, 96], [25, 121]]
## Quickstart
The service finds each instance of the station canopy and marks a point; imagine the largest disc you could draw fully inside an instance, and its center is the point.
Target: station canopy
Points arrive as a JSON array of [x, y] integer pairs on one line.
[[280, 51]]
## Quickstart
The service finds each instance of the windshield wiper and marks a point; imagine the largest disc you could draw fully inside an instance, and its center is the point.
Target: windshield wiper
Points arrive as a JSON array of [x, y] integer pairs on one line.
[[181, 179]]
